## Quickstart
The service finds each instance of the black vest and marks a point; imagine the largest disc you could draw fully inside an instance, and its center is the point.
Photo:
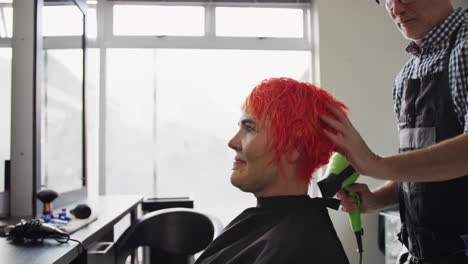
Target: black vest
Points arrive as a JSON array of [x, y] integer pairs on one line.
[[434, 214]]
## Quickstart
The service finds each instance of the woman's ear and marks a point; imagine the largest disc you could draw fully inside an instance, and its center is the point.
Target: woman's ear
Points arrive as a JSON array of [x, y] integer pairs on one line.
[[293, 155]]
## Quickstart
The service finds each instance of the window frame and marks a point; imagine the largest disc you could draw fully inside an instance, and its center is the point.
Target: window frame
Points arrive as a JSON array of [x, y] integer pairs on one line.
[[61, 42], [209, 40]]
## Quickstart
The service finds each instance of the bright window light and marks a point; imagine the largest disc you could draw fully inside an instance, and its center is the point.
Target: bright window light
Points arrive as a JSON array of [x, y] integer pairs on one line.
[[6, 22], [5, 110], [144, 20], [62, 21], [62, 115], [178, 108], [259, 22], [3, 33], [91, 23]]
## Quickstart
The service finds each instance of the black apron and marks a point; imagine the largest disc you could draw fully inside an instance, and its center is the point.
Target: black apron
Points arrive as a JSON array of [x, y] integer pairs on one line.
[[434, 214]]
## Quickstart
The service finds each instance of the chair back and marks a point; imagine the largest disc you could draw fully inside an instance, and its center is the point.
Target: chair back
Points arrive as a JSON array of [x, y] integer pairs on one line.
[[174, 235]]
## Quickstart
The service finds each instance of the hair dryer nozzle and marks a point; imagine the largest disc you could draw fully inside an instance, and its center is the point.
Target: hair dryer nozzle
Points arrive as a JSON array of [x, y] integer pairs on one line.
[[330, 185], [340, 174]]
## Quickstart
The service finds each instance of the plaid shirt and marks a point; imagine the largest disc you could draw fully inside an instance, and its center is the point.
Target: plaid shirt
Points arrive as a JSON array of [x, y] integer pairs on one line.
[[430, 59]]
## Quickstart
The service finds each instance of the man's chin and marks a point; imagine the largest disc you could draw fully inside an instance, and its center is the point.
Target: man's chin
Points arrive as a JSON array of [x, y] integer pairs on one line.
[[412, 35]]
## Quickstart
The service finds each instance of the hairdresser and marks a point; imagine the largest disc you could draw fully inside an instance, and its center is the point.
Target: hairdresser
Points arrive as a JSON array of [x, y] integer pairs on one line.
[[428, 178]]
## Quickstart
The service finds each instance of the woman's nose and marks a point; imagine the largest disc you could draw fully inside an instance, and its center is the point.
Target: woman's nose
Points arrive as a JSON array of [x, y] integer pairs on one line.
[[234, 143]]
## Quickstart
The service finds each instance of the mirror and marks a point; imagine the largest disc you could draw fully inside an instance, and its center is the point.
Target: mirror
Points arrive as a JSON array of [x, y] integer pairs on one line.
[[61, 99]]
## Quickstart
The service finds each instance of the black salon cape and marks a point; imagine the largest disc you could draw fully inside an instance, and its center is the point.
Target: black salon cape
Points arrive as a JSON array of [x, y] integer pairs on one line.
[[281, 229]]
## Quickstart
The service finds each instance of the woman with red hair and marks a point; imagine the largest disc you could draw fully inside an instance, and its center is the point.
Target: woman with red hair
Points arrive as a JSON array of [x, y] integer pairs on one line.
[[293, 110], [280, 143]]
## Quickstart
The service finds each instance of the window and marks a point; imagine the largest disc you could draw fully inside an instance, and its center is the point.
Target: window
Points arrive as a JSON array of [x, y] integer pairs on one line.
[[197, 111], [91, 23], [5, 110], [174, 115], [62, 118], [259, 22], [130, 121], [53, 17], [145, 20], [92, 119], [6, 32], [174, 77], [6, 22]]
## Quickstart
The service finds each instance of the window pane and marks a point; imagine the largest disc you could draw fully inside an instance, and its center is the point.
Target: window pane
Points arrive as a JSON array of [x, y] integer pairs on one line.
[[197, 112], [130, 121], [92, 119], [61, 131], [62, 21], [91, 23], [147, 20], [172, 116], [5, 111], [6, 25], [259, 22]]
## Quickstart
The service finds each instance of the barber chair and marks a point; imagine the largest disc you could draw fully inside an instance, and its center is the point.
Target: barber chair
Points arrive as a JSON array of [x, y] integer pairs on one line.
[[173, 235]]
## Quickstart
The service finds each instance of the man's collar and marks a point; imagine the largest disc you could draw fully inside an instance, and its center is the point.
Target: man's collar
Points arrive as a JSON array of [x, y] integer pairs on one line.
[[439, 34]]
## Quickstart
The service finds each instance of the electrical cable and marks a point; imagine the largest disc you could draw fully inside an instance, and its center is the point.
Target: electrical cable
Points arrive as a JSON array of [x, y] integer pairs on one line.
[[358, 236], [81, 245]]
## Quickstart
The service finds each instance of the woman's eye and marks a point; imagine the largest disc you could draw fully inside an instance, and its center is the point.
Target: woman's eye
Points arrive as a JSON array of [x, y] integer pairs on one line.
[[249, 129]]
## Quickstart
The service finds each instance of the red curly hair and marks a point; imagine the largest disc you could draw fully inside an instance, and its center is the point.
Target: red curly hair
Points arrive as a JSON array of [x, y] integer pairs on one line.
[[293, 110]]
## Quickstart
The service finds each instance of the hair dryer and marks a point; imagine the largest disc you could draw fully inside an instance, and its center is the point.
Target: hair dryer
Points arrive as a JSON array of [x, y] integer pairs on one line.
[[339, 176]]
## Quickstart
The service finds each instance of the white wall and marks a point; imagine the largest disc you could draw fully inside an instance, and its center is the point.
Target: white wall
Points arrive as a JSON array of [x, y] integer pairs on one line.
[[360, 53], [460, 3]]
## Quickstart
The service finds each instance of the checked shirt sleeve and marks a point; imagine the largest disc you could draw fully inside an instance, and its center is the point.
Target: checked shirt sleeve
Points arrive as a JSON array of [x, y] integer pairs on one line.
[[459, 72]]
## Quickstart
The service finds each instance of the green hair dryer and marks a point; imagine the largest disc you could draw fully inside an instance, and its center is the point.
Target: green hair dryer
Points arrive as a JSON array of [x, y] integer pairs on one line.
[[340, 175]]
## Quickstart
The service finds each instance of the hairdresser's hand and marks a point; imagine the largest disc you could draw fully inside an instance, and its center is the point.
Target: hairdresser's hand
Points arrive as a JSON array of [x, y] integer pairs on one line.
[[369, 201], [350, 143]]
